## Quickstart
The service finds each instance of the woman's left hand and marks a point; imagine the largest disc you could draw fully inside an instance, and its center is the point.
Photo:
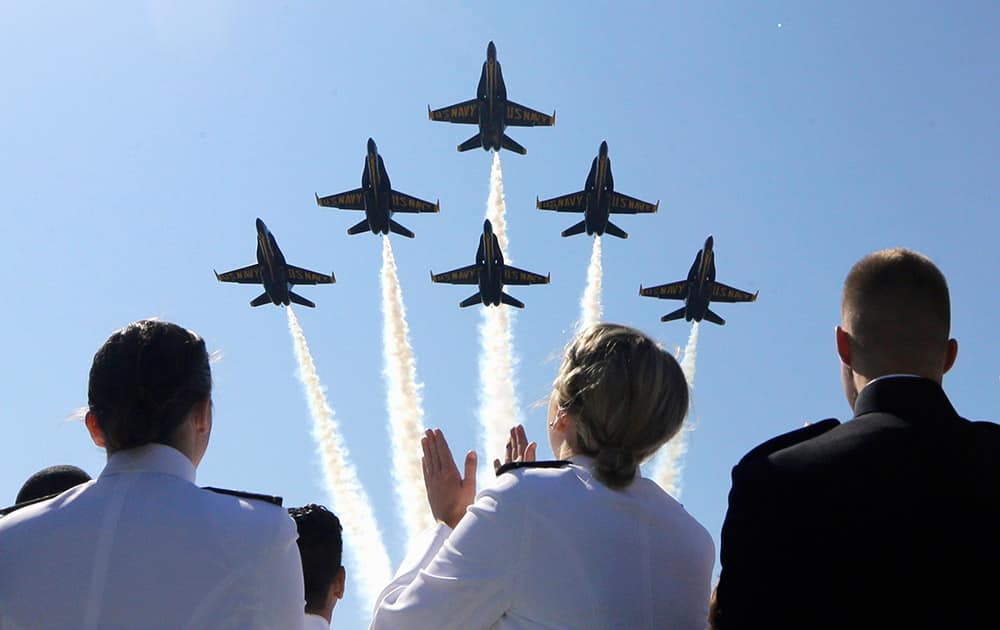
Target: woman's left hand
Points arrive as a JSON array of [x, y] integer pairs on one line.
[[518, 448], [448, 493]]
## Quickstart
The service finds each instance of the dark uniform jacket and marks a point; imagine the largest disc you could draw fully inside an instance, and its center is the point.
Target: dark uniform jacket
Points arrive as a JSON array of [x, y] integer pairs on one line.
[[891, 520]]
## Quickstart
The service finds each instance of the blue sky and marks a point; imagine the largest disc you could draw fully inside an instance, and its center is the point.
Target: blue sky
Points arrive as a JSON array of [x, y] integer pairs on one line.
[[140, 140]]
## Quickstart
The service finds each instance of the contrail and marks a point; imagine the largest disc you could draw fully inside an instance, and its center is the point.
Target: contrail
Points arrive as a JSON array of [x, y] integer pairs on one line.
[[497, 398], [670, 464], [361, 533], [406, 412], [590, 305]]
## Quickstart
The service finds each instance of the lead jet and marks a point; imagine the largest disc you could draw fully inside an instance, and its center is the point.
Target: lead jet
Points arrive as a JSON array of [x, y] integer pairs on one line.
[[698, 290], [597, 201], [377, 198], [491, 111], [490, 273], [274, 273]]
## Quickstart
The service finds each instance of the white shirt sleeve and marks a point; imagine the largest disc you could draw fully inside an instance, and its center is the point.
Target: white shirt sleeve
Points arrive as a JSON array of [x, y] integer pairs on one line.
[[466, 578]]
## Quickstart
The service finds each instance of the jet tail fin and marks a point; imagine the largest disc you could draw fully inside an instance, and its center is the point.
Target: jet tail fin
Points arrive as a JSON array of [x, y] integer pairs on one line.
[[712, 317], [508, 143], [261, 299], [477, 298], [298, 299], [399, 229], [614, 230], [475, 142], [510, 301], [359, 228], [579, 228], [678, 314]]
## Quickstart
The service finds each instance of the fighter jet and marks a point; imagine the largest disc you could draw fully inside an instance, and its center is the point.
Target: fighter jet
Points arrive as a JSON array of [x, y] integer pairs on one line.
[[597, 201], [698, 290], [274, 273], [377, 198], [490, 273], [491, 111]]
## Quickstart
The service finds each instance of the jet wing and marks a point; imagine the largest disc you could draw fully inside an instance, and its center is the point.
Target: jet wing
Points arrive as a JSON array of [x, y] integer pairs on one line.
[[671, 291], [466, 113], [573, 202], [298, 275], [623, 204], [513, 275], [521, 116], [723, 293], [246, 275], [402, 202], [462, 275], [350, 200]]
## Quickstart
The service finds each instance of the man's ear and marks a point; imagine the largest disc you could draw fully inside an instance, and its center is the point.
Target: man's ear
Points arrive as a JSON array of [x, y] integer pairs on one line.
[[950, 355], [339, 583], [202, 417], [844, 346], [94, 429]]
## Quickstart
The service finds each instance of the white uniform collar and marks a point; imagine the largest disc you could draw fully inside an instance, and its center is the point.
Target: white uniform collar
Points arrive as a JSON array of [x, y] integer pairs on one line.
[[151, 458]]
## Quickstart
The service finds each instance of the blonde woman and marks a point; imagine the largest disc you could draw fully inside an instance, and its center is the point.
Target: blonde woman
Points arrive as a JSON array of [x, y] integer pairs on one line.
[[580, 542]]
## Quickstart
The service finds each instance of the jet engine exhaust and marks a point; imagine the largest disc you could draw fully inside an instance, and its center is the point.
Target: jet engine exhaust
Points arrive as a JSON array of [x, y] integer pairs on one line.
[[590, 306], [363, 539], [670, 463]]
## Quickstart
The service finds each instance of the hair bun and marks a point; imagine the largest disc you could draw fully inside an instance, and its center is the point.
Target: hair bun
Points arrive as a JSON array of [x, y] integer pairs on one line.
[[616, 466]]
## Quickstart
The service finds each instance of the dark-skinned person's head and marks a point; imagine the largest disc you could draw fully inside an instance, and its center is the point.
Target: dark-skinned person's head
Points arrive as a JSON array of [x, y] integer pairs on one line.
[[321, 547], [895, 319], [618, 397], [150, 383]]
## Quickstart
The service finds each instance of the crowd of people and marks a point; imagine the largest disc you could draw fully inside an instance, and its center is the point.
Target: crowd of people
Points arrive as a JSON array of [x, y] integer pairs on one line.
[[888, 520]]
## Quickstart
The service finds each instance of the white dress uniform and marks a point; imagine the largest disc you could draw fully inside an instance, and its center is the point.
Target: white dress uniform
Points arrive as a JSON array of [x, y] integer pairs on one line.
[[555, 548], [143, 547], [316, 622]]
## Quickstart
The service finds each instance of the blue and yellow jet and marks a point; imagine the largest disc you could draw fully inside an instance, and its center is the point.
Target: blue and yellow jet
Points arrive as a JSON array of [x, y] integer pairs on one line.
[[597, 201], [274, 273], [490, 273], [377, 198], [698, 290], [492, 111]]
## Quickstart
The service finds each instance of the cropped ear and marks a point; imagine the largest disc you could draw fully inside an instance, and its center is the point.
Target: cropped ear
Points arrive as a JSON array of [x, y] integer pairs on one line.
[[94, 429], [844, 346], [951, 355], [339, 583], [564, 421], [202, 416]]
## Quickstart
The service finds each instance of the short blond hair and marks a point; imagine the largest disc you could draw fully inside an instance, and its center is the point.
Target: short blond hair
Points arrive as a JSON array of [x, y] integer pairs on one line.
[[626, 394]]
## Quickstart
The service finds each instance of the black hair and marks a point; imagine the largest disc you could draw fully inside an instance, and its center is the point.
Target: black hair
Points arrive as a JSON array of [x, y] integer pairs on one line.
[[49, 481], [144, 381], [321, 547]]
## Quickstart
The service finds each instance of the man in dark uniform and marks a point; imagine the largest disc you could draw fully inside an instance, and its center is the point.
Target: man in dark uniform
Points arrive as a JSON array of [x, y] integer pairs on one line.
[[891, 520]]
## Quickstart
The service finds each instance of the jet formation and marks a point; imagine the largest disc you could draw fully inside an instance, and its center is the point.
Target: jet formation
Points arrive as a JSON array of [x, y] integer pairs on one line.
[[597, 201], [490, 273], [699, 290], [377, 198], [492, 111], [277, 276]]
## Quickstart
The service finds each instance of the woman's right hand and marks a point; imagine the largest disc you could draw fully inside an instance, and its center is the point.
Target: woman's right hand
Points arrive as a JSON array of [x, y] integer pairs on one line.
[[518, 448]]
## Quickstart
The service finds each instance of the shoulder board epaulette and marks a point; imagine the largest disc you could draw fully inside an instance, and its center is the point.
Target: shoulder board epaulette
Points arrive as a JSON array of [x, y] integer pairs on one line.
[[556, 463], [791, 438], [247, 495], [22, 504]]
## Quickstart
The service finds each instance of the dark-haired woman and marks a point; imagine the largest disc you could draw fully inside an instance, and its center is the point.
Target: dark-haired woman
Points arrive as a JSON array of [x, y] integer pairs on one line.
[[142, 546], [581, 542]]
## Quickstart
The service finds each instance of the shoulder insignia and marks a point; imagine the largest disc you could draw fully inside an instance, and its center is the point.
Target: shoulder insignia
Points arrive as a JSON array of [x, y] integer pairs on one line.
[[791, 438], [17, 506], [247, 495], [557, 463]]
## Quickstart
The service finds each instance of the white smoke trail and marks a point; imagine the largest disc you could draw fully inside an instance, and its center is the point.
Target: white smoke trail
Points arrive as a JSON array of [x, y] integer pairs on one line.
[[590, 305], [406, 413], [497, 399], [361, 534], [671, 460]]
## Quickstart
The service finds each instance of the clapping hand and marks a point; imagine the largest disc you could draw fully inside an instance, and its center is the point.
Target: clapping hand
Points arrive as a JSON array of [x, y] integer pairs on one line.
[[448, 493], [518, 448]]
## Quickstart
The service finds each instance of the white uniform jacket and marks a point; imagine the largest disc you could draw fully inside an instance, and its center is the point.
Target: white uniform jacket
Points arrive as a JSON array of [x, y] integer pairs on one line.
[[143, 547], [555, 548]]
